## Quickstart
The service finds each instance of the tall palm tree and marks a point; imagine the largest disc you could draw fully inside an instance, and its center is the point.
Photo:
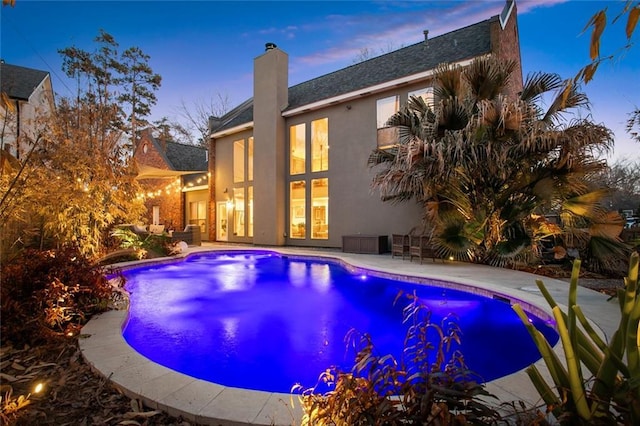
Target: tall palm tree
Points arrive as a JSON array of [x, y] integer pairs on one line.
[[487, 167]]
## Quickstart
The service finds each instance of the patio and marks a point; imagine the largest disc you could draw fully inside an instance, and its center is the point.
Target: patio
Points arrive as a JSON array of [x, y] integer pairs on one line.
[[208, 403]]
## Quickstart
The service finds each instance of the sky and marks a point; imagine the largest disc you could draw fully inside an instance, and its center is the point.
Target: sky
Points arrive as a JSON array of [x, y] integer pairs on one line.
[[205, 49]]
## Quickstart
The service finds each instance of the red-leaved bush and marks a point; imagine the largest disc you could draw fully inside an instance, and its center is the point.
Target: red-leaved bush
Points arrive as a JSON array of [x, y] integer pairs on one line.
[[46, 294]]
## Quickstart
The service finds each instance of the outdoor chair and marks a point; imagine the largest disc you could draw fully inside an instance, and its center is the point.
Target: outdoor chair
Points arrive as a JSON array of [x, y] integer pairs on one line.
[[399, 245], [420, 246], [191, 235]]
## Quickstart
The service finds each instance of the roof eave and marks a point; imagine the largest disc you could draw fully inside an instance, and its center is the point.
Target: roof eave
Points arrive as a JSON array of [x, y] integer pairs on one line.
[[232, 130]]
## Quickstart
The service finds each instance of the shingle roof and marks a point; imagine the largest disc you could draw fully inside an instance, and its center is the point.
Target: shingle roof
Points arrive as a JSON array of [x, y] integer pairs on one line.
[[187, 157], [19, 82], [464, 43]]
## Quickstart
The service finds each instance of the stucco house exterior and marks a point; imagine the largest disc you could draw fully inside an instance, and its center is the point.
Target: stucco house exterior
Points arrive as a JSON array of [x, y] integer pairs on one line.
[[175, 182], [27, 101], [289, 166]]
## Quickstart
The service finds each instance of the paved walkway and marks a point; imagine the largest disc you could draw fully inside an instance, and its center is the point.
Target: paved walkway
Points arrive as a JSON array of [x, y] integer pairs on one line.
[[211, 404]]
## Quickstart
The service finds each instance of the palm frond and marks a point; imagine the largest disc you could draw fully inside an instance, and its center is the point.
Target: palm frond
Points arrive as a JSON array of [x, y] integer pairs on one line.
[[610, 225], [607, 255], [487, 77], [587, 205], [452, 241], [566, 99], [539, 83], [452, 116], [381, 156], [448, 81]]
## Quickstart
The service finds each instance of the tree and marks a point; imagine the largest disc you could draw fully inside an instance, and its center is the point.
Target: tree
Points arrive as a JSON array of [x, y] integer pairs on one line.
[[598, 23], [487, 168], [139, 83], [123, 82], [633, 124], [79, 179], [89, 181], [194, 120], [623, 179], [367, 53]]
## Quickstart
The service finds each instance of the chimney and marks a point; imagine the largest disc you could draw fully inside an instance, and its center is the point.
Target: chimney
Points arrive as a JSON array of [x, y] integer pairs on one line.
[[426, 35], [270, 98]]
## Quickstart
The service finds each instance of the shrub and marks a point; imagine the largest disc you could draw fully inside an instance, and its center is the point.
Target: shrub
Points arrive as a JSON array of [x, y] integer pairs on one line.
[[48, 293], [430, 385], [611, 395], [144, 245]]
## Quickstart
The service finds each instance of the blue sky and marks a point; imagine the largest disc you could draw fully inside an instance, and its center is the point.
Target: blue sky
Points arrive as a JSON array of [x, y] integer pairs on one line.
[[205, 48]]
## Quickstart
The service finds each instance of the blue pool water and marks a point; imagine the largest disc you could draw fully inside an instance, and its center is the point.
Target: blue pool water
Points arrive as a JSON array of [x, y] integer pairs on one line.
[[262, 321]]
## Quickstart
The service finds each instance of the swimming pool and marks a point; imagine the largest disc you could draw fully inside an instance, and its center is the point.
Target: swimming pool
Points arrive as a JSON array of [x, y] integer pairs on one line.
[[263, 321]]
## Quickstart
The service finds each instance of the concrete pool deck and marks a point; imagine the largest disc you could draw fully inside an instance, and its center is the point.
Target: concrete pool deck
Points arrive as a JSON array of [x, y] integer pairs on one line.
[[202, 402]]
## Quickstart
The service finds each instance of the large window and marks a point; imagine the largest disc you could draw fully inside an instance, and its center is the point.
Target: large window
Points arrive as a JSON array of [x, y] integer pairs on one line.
[[320, 145], [250, 211], [238, 161], [242, 174], [386, 107], [320, 208], [309, 212], [250, 159], [426, 94], [238, 212], [297, 203], [297, 149]]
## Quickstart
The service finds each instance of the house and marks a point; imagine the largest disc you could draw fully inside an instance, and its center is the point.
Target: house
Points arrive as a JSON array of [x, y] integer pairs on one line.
[[27, 100], [175, 180], [290, 164]]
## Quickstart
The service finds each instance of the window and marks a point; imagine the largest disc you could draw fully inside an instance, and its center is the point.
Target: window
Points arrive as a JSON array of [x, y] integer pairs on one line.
[[426, 94], [198, 214], [297, 213], [320, 145], [386, 107], [238, 212], [320, 208], [297, 149], [238, 160], [250, 159], [250, 213]]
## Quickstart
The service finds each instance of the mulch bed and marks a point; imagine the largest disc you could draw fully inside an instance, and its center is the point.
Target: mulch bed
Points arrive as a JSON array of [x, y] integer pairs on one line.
[[74, 395]]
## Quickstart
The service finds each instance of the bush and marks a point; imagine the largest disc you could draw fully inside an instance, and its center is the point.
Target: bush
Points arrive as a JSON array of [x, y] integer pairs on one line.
[[46, 294], [431, 384], [598, 382], [143, 245]]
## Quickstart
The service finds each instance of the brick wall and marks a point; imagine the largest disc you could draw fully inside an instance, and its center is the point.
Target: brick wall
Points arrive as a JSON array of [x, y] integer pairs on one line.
[[171, 204], [506, 44]]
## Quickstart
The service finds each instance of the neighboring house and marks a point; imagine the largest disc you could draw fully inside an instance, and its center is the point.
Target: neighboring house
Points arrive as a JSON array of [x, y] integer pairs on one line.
[[290, 164], [176, 183], [27, 101]]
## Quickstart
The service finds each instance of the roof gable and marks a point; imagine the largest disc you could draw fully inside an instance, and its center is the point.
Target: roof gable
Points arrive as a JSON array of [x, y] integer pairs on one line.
[[20, 82], [458, 45]]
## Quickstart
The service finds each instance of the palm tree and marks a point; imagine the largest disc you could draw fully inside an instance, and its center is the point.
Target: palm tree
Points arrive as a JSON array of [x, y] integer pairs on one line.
[[487, 167]]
